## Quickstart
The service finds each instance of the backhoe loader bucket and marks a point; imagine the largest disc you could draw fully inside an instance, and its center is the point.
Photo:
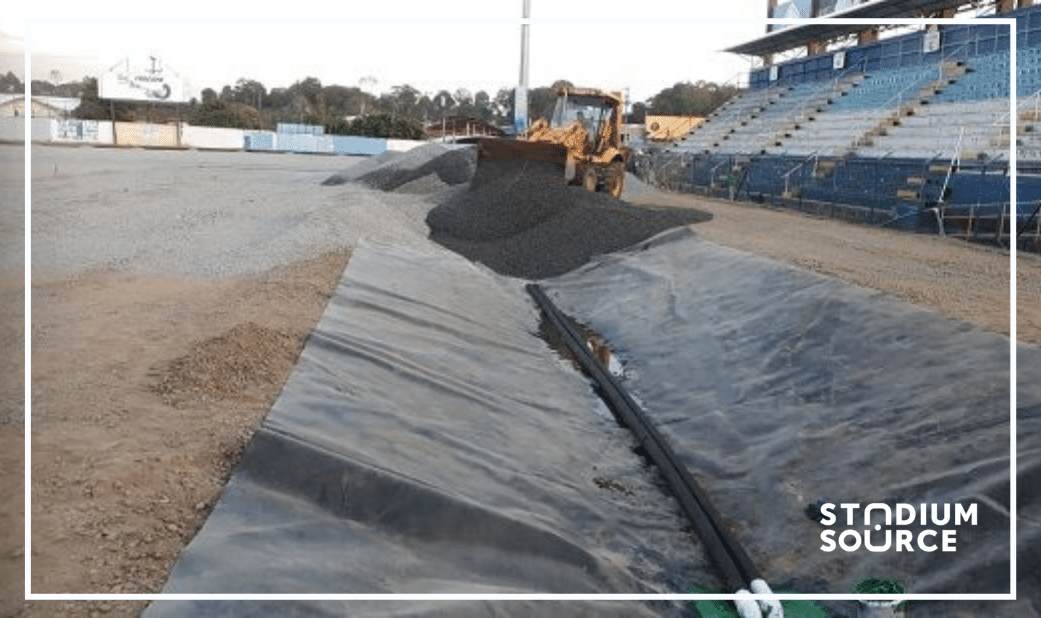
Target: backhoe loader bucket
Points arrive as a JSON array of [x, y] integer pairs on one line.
[[493, 149]]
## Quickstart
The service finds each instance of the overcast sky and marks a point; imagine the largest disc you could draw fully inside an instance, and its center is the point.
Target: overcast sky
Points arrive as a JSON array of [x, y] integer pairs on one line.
[[431, 45]]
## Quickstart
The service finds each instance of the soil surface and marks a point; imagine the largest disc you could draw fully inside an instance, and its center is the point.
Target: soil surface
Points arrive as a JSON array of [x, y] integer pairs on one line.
[[146, 387]]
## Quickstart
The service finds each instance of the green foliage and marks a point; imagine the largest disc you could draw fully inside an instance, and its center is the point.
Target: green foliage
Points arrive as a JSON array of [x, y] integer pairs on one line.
[[92, 107], [637, 113], [214, 112], [10, 84], [378, 125], [691, 99]]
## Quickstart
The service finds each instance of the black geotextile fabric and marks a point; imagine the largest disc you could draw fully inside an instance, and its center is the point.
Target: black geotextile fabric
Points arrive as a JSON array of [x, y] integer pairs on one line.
[[779, 388], [428, 441]]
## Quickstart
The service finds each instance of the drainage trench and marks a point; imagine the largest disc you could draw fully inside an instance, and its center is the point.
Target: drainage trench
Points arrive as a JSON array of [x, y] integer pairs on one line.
[[732, 562]]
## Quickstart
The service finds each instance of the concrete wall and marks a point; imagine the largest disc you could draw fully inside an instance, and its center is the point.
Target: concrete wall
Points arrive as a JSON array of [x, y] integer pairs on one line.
[[403, 145], [142, 134], [186, 136], [211, 137], [81, 131], [12, 129]]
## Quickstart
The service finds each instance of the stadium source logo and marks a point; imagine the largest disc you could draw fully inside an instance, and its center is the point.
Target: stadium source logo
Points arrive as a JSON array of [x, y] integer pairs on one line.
[[932, 518]]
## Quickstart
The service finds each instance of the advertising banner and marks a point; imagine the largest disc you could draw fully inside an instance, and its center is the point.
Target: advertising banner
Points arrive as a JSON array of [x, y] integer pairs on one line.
[[142, 79]]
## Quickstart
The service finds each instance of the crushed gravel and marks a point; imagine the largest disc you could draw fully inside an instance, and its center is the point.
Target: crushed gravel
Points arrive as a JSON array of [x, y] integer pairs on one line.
[[451, 164], [522, 220]]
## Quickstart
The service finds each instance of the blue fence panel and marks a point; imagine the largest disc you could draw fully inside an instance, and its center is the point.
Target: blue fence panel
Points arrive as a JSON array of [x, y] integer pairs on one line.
[[302, 142], [260, 141], [352, 145], [300, 129]]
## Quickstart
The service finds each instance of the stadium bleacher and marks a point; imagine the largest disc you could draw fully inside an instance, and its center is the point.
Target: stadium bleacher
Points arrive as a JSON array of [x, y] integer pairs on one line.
[[900, 129]]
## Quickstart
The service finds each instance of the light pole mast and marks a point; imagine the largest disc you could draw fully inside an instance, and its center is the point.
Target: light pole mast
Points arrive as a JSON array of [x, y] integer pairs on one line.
[[520, 99]]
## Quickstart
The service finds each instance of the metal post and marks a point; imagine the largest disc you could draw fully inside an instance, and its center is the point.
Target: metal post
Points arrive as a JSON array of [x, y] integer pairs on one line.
[[520, 99], [112, 109]]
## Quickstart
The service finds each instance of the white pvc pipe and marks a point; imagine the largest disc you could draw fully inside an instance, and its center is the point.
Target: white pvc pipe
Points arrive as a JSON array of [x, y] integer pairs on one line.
[[747, 608], [771, 608]]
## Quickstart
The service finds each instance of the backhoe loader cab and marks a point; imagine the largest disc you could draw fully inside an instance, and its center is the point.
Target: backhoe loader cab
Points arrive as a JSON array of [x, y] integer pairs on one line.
[[592, 113], [583, 136]]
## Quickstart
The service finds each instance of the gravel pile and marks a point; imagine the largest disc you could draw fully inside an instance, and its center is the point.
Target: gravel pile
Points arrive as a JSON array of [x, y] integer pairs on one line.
[[451, 165], [520, 219], [427, 185]]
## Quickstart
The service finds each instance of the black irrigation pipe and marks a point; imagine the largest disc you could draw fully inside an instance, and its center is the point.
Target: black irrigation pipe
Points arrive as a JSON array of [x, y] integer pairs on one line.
[[734, 565]]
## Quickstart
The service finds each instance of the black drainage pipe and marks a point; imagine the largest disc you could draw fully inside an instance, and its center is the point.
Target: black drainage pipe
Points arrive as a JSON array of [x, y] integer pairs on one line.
[[734, 565]]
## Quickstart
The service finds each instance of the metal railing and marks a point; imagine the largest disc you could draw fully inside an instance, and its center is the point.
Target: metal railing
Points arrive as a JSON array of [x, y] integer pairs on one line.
[[787, 175]]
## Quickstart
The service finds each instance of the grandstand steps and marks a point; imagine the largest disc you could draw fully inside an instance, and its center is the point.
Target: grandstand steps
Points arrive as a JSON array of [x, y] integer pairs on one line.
[[805, 121]]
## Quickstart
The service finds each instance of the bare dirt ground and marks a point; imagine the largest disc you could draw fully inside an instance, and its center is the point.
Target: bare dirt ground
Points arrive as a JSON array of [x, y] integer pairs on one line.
[[145, 391], [146, 388]]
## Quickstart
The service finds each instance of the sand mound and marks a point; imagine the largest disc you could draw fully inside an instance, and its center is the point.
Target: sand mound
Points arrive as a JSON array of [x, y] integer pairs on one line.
[[522, 220], [230, 366]]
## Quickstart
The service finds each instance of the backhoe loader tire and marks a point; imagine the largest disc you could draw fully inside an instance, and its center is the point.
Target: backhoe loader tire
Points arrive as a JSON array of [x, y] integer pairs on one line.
[[615, 179], [589, 179]]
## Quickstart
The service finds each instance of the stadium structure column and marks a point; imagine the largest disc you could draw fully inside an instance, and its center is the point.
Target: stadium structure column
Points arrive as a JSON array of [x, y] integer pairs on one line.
[[770, 6], [1004, 6]]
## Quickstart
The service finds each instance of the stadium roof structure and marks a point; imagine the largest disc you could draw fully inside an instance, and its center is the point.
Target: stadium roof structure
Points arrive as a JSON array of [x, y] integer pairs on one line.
[[795, 36]]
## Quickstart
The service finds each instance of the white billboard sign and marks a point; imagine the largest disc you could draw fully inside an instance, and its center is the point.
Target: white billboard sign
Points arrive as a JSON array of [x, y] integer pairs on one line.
[[142, 79]]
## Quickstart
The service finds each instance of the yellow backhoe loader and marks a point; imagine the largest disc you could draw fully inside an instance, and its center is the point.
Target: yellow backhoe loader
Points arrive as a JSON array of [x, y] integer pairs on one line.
[[583, 136]]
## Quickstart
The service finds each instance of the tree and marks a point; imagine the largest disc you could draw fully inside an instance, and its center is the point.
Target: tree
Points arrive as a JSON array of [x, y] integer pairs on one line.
[[483, 103], [638, 113], [379, 125], [93, 107], [503, 104], [10, 84], [540, 103], [691, 99], [403, 99], [249, 92], [306, 98], [443, 102], [217, 112], [41, 87], [345, 100]]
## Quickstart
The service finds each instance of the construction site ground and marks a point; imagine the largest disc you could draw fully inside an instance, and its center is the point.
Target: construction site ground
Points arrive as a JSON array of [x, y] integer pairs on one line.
[[147, 384]]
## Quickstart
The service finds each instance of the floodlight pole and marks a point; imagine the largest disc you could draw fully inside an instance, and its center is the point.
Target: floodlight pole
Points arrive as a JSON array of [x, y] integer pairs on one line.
[[520, 99]]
